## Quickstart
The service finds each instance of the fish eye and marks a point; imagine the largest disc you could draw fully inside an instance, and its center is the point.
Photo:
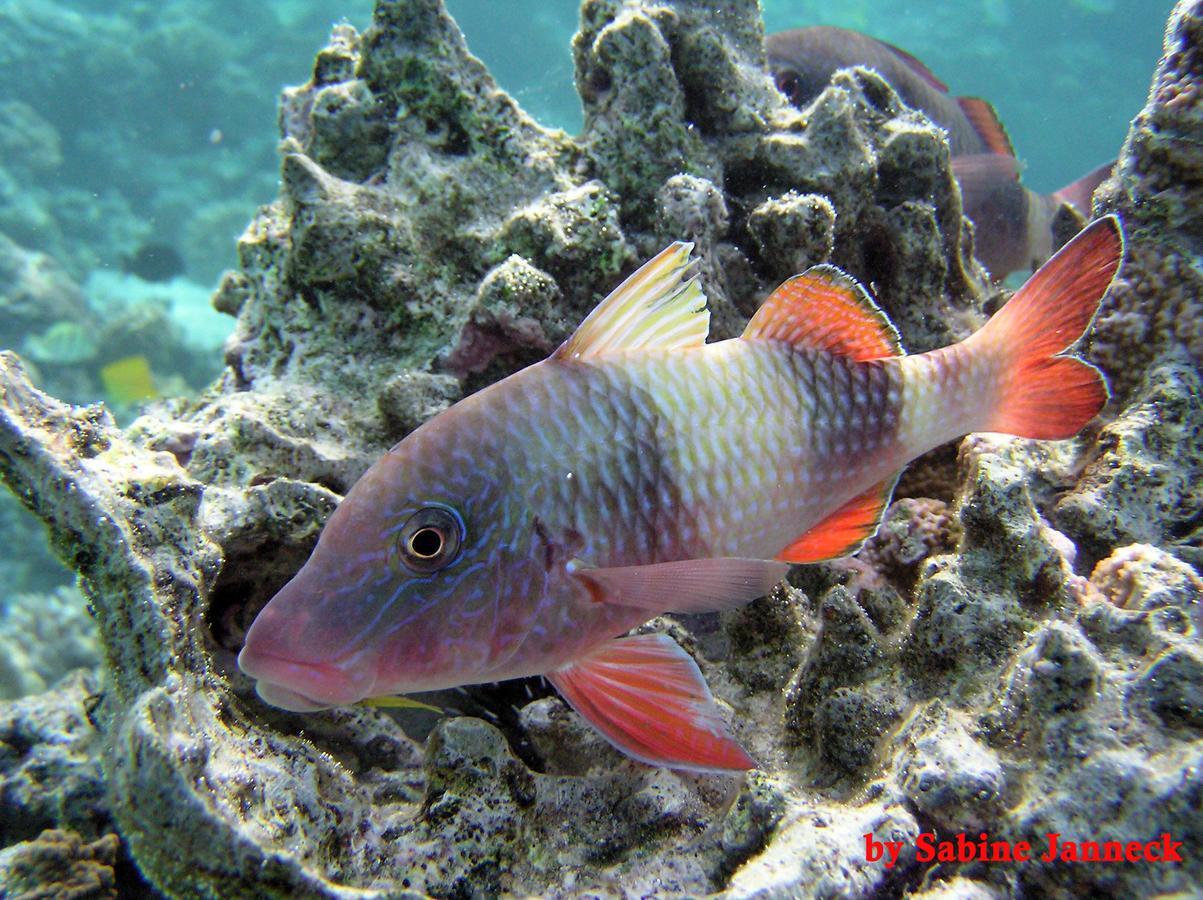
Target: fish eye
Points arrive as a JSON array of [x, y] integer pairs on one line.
[[430, 540]]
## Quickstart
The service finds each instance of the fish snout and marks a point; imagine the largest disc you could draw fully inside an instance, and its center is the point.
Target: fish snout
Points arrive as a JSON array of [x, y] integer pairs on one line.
[[291, 670]]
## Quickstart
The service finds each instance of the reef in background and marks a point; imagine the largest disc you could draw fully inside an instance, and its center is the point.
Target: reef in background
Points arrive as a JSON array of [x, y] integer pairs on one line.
[[974, 669]]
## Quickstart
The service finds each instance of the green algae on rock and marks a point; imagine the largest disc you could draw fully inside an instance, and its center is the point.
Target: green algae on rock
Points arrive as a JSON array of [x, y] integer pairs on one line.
[[430, 237]]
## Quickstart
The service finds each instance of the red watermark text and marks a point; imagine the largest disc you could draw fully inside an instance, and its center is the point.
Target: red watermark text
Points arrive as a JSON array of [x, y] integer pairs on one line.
[[964, 848]]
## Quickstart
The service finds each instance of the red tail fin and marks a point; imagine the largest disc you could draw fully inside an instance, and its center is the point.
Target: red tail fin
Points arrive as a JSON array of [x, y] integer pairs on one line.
[[1044, 395]]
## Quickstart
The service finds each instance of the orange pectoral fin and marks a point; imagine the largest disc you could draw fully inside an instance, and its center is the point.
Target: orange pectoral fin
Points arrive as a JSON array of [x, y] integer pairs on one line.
[[843, 532], [648, 698]]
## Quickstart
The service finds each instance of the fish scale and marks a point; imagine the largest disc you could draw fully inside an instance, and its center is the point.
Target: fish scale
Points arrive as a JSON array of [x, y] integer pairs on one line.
[[648, 423]]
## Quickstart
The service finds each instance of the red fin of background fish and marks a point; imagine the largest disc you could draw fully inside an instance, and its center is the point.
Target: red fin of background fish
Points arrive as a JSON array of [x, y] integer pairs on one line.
[[843, 532], [1079, 194], [648, 698], [985, 122], [826, 310], [660, 305], [688, 586], [918, 67], [1044, 395]]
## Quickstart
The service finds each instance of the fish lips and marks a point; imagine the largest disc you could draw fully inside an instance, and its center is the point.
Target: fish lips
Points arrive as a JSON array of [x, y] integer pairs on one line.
[[303, 686]]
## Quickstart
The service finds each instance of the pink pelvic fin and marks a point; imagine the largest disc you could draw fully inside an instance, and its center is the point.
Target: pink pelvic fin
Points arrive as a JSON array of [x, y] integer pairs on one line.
[[647, 697], [1045, 395], [687, 586], [842, 532], [825, 309]]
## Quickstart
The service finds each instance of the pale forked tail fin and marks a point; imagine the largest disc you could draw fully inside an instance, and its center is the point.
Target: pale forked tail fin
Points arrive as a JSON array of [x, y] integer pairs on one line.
[[1042, 394]]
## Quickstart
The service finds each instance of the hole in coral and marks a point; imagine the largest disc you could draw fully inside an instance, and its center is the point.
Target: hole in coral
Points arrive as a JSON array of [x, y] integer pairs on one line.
[[879, 258], [251, 575], [598, 83], [877, 94]]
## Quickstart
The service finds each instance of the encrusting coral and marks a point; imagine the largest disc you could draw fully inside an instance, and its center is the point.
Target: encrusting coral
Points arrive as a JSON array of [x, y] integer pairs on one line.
[[1155, 313], [429, 238]]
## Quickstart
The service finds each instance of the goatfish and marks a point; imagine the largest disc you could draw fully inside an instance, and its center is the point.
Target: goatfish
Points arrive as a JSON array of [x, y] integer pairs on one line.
[[1017, 228], [640, 470]]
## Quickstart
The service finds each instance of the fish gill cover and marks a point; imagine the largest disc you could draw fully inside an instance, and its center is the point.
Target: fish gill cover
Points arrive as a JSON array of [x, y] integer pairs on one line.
[[1017, 650]]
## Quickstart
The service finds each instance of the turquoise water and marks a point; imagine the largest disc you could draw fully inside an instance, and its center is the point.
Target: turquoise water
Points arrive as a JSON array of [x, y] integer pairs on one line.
[[1066, 77], [137, 139]]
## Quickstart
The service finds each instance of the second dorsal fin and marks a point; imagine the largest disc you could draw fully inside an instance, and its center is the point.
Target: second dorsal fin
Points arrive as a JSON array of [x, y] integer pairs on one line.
[[985, 122], [660, 305], [825, 309]]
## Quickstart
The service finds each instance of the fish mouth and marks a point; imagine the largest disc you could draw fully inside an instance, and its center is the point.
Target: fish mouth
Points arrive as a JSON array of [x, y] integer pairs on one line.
[[300, 686]]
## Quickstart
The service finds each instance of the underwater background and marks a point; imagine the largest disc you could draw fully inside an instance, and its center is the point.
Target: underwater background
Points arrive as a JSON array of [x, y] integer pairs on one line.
[[138, 140]]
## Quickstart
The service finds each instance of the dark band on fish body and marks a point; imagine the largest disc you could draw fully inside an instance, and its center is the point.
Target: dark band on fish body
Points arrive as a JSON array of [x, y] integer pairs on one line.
[[854, 403]]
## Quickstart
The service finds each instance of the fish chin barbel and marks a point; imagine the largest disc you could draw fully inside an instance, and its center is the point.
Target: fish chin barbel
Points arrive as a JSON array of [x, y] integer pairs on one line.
[[640, 470]]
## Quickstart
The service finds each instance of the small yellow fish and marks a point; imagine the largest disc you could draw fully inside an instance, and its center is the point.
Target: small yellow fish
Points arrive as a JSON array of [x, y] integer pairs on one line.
[[128, 381], [395, 702]]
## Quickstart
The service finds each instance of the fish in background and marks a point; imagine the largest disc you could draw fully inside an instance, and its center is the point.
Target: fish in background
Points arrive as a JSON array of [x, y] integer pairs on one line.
[[128, 380], [154, 261], [62, 344], [640, 470], [1016, 228]]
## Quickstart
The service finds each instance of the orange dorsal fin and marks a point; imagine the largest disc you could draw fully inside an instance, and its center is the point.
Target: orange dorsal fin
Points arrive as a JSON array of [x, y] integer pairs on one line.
[[985, 122], [825, 309], [842, 532]]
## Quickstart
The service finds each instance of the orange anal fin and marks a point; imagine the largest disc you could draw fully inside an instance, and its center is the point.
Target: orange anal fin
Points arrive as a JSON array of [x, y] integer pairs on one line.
[[825, 309], [647, 697], [842, 532], [985, 122]]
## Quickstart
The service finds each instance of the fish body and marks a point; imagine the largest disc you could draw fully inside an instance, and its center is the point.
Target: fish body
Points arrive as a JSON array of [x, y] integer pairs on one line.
[[1016, 227], [640, 470]]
